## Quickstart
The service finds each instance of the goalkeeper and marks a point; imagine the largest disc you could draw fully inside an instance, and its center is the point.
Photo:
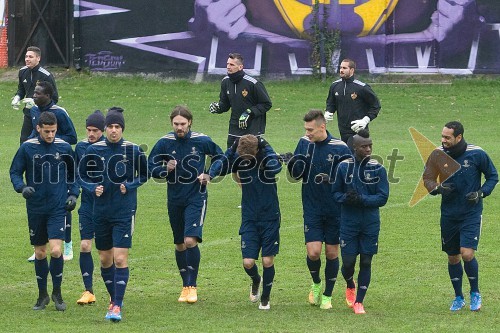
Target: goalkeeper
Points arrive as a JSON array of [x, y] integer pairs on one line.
[[29, 76], [247, 98], [354, 101]]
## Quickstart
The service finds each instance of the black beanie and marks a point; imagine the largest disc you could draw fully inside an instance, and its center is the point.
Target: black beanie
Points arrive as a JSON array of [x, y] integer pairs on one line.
[[96, 119], [115, 116]]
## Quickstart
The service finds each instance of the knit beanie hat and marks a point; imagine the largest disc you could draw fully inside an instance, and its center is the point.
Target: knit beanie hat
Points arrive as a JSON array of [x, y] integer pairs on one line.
[[96, 119], [115, 116]]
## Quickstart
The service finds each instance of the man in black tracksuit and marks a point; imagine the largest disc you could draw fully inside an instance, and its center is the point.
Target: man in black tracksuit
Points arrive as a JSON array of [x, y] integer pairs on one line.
[[247, 98], [29, 75], [354, 101]]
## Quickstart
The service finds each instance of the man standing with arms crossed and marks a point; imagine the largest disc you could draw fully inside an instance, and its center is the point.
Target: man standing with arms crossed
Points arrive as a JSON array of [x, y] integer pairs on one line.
[[354, 101], [454, 171], [113, 169], [95, 127], [50, 190], [314, 161], [247, 98], [29, 76], [179, 157]]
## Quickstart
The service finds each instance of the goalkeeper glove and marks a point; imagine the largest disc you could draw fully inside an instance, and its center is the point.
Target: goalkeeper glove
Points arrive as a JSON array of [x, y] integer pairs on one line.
[[214, 107], [70, 203], [360, 124], [243, 121], [16, 102], [443, 189], [29, 102], [28, 192], [474, 197], [328, 116]]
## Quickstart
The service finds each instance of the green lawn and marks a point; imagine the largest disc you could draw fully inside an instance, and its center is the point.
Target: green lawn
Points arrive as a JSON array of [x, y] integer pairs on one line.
[[410, 289]]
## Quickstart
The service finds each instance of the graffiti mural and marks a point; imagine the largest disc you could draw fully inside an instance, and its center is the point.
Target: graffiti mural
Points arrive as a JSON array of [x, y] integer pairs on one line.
[[193, 37]]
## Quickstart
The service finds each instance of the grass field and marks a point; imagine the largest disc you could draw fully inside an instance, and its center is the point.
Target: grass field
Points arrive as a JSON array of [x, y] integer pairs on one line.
[[410, 289]]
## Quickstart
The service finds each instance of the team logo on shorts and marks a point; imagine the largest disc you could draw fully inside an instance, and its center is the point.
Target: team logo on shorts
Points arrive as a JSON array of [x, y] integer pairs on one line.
[[243, 245], [306, 228], [354, 96], [244, 93]]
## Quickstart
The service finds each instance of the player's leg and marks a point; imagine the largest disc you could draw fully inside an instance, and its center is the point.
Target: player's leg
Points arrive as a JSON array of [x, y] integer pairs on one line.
[[332, 234], [86, 261], [314, 236], [450, 236], [55, 231], [349, 245], [68, 243], [176, 219], [469, 239], [104, 246], [270, 239], [38, 237], [250, 246]]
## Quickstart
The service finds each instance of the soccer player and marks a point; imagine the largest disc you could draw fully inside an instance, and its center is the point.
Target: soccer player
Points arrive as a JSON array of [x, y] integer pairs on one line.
[[29, 76], [361, 187], [257, 165], [454, 170], [95, 128], [50, 190], [43, 98], [180, 157], [113, 169], [354, 101], [247, 98], [314, 161]]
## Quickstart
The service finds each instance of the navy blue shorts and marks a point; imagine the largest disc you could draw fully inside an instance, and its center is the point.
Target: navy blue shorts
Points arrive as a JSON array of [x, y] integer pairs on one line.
[[43, 227], [86, 225], [359, 237], [322, 229], [187, 221], [260, 235], [110, 232], [460, 233]]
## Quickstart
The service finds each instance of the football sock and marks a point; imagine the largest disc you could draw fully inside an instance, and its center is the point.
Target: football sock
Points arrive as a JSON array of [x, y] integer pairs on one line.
[[87, 269], [121, 280], [180, 258], [348, 263], [253, 273], [108, 276], [472, 270], [193, 263], [56, 270], [41, 272], [314, 266], [267, 281], [331, 272], [456, 272], [67, 232], [364, 276]]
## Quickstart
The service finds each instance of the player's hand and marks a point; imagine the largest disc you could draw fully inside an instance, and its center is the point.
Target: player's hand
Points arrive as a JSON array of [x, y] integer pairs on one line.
[[322, 178], [474, 197], [244, 118], [262, 143], [204, 179], [123, 189], [445, 189], [352, 198], [328, 116], [285, 158], [16, 102], [70, 203], [28, 192], [99, 190], [360, 124], [214, 107], [171, 165], [29, 102], [234, 146]]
